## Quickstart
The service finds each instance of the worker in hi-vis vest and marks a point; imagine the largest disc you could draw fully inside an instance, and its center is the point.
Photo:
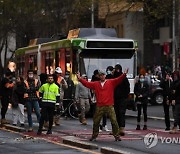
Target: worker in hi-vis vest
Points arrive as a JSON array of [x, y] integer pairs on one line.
[[32, 97], [62, 84], [50, 96]]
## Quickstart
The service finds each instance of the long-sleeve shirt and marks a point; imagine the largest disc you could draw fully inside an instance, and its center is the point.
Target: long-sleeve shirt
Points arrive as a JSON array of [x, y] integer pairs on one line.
[[82, 92], [105, 93]]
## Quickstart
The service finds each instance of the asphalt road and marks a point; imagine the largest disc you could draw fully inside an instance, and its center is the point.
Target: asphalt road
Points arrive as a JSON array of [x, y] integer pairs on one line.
[[15, 143], [132, 142]]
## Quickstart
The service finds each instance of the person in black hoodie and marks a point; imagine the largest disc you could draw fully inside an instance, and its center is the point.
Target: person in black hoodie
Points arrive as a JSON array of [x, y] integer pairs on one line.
[[69, 92], [176, 102], [120, 96], [18, 102], [95, 77], [141, 90], [167, 86], [6, 88]]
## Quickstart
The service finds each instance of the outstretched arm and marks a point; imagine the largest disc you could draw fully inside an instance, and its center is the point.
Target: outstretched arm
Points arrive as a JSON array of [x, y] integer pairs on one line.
[[87, 84], [119, 79]]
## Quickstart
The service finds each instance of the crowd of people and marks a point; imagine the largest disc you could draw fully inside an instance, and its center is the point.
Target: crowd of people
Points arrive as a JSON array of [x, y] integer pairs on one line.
[[106, 95]]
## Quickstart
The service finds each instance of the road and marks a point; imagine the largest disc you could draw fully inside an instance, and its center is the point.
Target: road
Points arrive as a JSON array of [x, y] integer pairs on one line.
[[132, 142]]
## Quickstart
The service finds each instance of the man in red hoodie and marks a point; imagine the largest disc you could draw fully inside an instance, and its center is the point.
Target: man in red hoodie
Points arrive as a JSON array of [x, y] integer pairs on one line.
[[104, 91]]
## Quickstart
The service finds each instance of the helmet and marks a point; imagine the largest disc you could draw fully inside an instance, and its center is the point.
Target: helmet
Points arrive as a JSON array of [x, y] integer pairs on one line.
[[58, 70]]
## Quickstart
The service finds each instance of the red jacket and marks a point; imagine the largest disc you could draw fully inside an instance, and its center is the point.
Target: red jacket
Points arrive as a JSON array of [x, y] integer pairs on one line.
[[105, 94]]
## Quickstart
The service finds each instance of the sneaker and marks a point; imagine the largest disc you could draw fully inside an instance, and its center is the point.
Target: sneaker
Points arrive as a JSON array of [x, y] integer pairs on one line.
[[49, 132], [138, 127], [30, 129], [14, 124], [44, 129], [167, 129], [100, 129], [173, 131], [39, 132], [92, 139], [84, 122], [117, 138], [145, 127], [105, 128]]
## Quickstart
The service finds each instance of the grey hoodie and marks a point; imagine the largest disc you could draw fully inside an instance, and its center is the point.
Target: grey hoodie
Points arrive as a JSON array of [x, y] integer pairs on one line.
[[82, 92]]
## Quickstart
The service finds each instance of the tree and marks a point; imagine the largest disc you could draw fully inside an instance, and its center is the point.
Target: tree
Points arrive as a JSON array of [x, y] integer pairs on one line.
[[29, 19]]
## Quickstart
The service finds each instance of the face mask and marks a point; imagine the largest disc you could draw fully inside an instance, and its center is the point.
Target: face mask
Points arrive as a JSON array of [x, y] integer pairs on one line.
[[141, 80], [30, 75], [108, 72]]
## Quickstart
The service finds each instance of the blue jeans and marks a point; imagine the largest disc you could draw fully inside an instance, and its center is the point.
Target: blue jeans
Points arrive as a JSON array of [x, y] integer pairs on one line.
[[30, 106]]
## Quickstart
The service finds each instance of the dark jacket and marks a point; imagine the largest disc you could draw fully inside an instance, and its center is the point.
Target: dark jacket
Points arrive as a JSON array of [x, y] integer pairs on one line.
[[123, 89], [141, 90], [69, 92], [18, 94], [177, 93], [4, 91], [167, 86], [32, 96]]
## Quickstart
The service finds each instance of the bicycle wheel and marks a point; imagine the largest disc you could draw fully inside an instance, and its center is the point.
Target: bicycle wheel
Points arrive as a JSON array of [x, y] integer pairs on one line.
[[61, 110], [73, 111]]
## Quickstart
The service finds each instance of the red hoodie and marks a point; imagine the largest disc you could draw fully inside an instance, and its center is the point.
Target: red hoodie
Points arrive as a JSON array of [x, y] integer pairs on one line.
[[105, 94]]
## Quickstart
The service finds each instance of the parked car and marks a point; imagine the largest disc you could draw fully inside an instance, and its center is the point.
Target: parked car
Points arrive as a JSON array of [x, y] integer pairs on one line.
[[156, 92]]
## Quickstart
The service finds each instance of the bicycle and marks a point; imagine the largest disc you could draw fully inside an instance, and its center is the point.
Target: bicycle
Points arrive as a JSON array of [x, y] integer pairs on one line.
[[71, 109]]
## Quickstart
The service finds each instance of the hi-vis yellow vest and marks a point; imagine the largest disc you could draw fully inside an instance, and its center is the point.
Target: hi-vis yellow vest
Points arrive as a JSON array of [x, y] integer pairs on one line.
[[27, 85], [50, 91]]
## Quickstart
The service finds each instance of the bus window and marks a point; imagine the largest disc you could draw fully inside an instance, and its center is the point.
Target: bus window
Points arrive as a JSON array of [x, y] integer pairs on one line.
[[92, 64], [49, 62], [67, 60], [20, 65], [33, 62]]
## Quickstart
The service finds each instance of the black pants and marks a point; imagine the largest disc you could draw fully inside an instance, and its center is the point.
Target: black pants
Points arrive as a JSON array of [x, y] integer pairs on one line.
[[120, 110], [4, 103], [104, 120], [166, 114], [66, 104], [177, 115], [139, 108], [47, 109]]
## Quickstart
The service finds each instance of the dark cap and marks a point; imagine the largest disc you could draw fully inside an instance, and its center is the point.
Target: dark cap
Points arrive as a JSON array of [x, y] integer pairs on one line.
[[110, 68]]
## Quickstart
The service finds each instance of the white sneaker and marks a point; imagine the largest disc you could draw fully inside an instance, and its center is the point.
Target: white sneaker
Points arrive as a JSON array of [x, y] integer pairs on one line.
[[105, 128], [100, 130]]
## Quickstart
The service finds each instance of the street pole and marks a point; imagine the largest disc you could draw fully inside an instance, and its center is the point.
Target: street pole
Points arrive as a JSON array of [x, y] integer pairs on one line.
[[92, 14], [173, 39]]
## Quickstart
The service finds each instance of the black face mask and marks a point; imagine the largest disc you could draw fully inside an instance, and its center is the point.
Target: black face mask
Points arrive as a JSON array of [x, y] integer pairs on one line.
[[116, 74]]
